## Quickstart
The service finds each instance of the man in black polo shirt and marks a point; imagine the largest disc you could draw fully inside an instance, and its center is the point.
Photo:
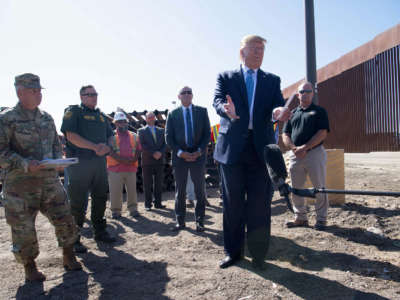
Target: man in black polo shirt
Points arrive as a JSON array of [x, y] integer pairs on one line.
[[88, 134], [304, 134]]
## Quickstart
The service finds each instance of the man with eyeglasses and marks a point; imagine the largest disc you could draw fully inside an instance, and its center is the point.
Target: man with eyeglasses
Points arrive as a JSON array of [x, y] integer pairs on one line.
[[187, 133], [247, 100], [28, 135], [304, 135], [88, 135]]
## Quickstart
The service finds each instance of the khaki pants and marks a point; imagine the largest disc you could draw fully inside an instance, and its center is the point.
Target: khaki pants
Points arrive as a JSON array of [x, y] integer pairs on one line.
[[314, 164], [116, 181]]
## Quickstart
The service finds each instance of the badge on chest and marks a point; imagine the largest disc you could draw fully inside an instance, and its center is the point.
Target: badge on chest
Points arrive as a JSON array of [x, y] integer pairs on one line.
[[89, 117]]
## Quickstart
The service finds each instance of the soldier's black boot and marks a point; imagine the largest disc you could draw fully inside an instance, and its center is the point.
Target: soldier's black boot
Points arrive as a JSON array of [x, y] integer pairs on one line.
[[69, 260], [32, 273], [104, 236], [79, 247]]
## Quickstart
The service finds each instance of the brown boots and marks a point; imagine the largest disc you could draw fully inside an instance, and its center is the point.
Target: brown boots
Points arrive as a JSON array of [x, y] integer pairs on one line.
[[69, 260], [32, 273]]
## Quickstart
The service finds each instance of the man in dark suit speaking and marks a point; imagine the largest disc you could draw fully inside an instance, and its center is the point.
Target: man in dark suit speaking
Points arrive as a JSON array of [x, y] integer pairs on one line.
[[187, 133], [247, 100]]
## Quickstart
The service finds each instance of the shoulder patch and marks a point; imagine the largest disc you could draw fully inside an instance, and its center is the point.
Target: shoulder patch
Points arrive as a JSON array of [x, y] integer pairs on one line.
[[68, 114]]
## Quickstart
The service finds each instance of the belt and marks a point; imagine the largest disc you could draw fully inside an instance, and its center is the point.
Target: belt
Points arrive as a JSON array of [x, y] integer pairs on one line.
[[314, 147], [191, 149]]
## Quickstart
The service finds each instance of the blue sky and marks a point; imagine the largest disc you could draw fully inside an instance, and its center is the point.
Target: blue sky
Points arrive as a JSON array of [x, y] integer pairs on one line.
[[139, 53]]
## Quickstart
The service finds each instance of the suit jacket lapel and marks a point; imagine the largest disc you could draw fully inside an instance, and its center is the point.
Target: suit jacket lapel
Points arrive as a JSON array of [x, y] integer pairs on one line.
[[180, 124], [239, 78], [150, 135], [179, 116], [262, 85], [195, 116], [155, 134], [158, 135], [259, 86]]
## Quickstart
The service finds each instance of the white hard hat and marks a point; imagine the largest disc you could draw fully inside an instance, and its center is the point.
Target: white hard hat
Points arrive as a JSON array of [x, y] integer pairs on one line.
[[119, 116]]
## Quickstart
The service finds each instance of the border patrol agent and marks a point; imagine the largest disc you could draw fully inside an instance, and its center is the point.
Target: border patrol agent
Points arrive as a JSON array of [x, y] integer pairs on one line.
[[27, 136], [88, 132]]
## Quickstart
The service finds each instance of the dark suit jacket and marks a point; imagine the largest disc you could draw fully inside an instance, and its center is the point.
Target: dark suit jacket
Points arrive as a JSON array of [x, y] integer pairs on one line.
[[175, 131], [232, 134], [149, 146]]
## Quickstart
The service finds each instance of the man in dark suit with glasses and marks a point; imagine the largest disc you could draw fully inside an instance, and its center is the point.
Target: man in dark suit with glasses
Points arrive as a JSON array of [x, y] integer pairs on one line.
[[187, 133]]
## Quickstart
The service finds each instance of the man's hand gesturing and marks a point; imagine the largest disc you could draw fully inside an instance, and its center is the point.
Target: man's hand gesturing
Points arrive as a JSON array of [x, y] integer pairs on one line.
[[230, 109]]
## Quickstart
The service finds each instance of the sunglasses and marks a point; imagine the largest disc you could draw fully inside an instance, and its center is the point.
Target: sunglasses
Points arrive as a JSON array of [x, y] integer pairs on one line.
[[305, 91], [90, 94], [186, 93]]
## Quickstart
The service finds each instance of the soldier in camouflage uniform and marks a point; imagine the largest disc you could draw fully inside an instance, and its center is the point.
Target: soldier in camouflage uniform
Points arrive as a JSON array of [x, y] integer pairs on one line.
[[88, 134], [2, 171], [2, 174], [27, 136]]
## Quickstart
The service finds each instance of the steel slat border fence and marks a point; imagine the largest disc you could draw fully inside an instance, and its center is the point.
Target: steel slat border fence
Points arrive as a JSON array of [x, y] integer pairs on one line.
[[363, 105]]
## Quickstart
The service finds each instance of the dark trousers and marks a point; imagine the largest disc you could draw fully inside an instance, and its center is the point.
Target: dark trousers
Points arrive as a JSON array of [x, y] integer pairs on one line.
[[197, 170], [246, 202], [149, 172], [66, 180], [88, 175]]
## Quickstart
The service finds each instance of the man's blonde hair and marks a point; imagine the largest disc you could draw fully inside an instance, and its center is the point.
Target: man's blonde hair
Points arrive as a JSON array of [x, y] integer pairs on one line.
[[251, 38]]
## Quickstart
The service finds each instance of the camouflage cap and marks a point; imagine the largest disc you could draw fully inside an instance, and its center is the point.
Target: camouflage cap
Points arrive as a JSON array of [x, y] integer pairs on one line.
[[28, 80]]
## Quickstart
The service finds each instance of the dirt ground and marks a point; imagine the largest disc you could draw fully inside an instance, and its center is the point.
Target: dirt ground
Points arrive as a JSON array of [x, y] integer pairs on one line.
[[358, 257]]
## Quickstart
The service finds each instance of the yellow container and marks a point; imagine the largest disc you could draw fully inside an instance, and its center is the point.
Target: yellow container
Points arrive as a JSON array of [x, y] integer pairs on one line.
[[334, 176]]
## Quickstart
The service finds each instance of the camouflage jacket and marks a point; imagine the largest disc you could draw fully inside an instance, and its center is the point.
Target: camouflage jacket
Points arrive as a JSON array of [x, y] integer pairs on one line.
[[2, 174], [24, 136]]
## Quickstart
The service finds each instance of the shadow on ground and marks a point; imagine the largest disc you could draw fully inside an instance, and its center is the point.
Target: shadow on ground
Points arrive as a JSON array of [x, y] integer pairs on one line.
[[283, 249]]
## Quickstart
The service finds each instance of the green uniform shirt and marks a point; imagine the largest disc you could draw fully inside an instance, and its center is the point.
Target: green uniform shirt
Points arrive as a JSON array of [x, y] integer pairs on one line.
[[91, 124], [26, 135]]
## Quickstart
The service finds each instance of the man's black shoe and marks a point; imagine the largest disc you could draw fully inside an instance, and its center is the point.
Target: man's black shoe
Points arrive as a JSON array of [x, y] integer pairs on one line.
[[258, 264], [228, 261], [147, 208], [159, 206], [116, 216], [79, 247], [200, 227], [104, 237], [190, 203], [178, 227], [320, 225]]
